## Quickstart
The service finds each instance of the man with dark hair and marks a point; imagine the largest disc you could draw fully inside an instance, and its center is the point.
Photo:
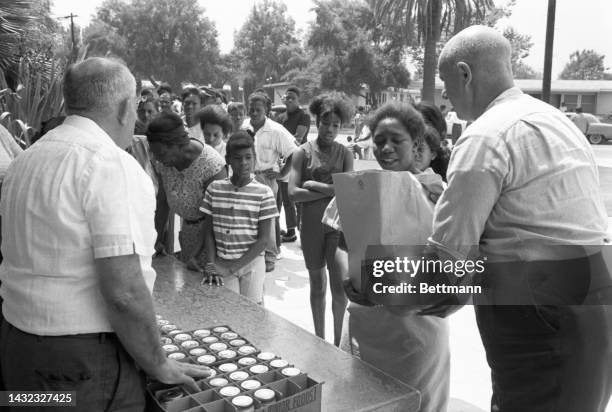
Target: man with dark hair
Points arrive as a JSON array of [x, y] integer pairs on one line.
[[77, 275], [297, 122], [272, 142]]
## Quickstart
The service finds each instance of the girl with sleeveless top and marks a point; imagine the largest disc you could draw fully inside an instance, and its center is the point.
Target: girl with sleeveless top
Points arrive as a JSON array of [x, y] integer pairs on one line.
[[311, 184]]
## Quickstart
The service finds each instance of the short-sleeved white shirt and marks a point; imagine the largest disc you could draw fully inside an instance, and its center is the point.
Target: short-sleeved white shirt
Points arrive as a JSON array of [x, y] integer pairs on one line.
[[72, 197], [272, 141]]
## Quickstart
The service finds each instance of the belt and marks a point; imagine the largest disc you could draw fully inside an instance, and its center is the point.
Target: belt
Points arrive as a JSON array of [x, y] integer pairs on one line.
[[100, 336], [194, 222]]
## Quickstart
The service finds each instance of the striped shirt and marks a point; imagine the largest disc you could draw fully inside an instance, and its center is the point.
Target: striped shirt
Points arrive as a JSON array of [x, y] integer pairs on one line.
[[236, 213]]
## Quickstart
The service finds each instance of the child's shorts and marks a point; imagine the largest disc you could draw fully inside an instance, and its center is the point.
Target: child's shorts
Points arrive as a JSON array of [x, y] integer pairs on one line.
[[249, 280]]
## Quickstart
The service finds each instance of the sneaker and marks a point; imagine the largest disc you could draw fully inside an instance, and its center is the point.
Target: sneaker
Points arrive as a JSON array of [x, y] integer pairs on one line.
[[288, 238], [269, 266], [283, 232]]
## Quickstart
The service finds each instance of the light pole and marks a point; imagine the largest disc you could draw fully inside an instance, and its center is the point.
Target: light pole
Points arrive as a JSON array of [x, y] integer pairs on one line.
[[548, 53], [71, 17]]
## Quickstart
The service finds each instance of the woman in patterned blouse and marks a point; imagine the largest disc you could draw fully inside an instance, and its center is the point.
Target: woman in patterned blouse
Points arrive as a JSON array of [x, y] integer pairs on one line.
[[185, 167]]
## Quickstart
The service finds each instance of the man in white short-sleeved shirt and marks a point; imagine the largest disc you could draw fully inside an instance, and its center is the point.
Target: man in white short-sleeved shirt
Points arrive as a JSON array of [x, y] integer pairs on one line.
[[77, 214], [523, 192], [272, 141]]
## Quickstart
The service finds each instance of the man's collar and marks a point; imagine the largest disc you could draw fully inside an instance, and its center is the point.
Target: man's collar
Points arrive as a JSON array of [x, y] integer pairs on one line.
[[86, 124], [506, 94]]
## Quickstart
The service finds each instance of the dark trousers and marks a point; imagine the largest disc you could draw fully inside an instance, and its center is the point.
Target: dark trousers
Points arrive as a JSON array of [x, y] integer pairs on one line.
[[549, 357], [282, 200], [96, 366]]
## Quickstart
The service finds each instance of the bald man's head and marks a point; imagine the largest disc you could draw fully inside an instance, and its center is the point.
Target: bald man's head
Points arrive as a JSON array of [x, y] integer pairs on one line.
[[475, 65], [97, 86]]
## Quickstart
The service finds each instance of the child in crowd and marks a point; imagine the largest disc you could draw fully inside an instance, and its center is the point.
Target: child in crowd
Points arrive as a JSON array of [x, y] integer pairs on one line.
[[216, 125], [410, 347], [432, 153], [236, 111], [311, 184], [243, 212]]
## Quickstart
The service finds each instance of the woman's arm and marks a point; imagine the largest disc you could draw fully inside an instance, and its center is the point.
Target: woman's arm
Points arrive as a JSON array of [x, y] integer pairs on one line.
[[298, 193]]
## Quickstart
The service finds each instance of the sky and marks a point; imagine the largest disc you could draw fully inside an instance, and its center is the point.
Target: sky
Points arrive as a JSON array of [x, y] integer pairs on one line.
[[584, 24]]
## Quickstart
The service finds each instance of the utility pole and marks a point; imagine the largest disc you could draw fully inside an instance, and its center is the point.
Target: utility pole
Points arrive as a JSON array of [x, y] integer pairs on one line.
[[71, 17], [548, 53]]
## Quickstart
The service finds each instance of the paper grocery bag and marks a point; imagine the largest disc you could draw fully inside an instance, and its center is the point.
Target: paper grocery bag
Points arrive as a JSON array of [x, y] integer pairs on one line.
[[379, 207]]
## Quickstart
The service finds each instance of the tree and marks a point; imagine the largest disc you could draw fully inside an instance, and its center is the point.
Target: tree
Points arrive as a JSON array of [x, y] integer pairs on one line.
[[171, 40], [16, 16], [584, 65], [521, 45], [266, 31], [347, 51], [425, 21]]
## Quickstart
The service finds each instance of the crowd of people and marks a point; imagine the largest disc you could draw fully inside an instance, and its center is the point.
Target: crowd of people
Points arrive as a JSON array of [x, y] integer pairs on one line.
[[82, 219]]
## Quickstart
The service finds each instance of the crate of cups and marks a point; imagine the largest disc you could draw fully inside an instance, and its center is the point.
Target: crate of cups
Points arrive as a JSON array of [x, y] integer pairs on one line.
[[251, 380]]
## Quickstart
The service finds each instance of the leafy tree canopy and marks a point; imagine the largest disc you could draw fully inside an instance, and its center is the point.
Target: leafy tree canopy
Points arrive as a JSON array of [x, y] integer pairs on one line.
[[171, 40], [584, 65]]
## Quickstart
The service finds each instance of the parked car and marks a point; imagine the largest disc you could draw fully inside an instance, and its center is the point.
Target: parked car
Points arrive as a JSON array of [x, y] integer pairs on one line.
[[597, 131]]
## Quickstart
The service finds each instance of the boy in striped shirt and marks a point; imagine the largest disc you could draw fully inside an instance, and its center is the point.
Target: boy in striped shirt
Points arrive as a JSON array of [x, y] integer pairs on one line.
[[243, 212]]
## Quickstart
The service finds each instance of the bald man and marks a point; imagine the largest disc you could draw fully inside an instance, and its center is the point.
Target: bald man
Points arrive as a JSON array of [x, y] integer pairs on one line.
[[523, 191], [78, 212]]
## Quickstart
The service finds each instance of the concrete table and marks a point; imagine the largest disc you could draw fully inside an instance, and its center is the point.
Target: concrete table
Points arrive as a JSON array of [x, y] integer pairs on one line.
[[350, 384]]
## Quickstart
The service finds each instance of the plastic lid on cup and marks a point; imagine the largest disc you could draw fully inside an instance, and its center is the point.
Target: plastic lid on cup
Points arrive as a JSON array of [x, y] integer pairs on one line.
[[242, 401], [182, 337], [238, 375], [168, 327], [217, 346], [197, 351], [206, 359], [256, 369], [237, 342], [246, 350], [201, 333], [170, 348], [250, 384], [210, 339], [266, 356], [189, 344], [221, 329], [229, 391], [177, 355], [279, 363], [165, 341], [229, 335], [227, 354], [289, 372], [264, 395], [247, 361], [174, 332], [228, 367], [218, 382]]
